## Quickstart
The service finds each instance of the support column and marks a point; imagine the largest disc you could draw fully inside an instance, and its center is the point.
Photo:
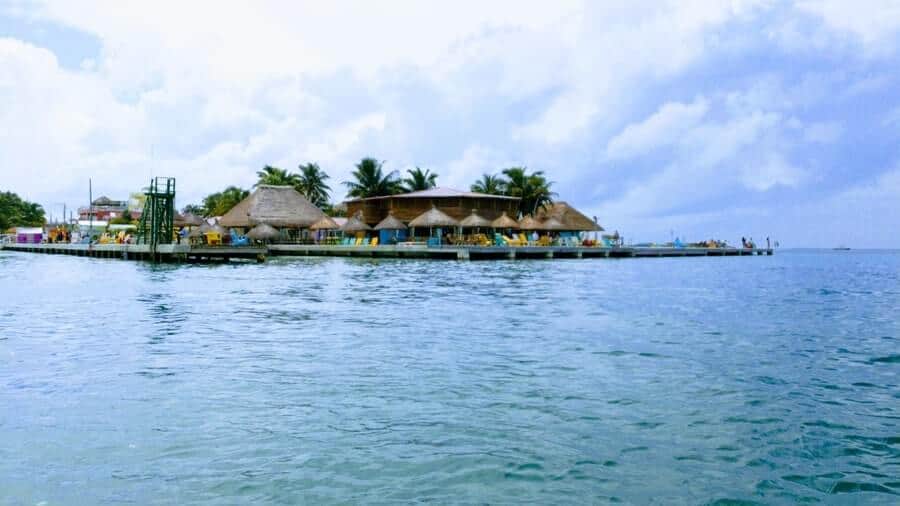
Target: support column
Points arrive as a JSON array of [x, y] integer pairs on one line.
[[462, 254], [511, 254]]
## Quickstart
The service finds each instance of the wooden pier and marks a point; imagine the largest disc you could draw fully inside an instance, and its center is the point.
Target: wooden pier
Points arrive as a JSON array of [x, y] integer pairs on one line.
[[163, 253], [185, 253], [503, 252]]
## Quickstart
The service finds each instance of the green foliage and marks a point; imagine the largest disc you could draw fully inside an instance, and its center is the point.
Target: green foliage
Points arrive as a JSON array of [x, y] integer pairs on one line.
[[311, 184], [419, 180], [277, 177], [125, 219], [15, 212], [334, 210], [196, 210], [533, 189], [370, 180], [220, 203], [490, 184]]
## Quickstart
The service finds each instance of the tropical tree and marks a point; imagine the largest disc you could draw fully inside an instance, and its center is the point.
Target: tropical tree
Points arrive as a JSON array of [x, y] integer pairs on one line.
[[371, 181], [220, 203], [311, 184], [196, 210], [419, 180], [275, 176], [16, 212], [490, 184], [334, 210], [533, 189]]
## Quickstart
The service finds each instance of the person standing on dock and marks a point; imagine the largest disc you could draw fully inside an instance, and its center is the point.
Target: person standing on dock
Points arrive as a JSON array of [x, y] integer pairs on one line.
[[768, 244]]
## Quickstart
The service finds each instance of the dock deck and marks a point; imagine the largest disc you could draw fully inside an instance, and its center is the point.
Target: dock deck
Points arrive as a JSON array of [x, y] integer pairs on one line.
[[185, 253], [504, 252], [164, 252]]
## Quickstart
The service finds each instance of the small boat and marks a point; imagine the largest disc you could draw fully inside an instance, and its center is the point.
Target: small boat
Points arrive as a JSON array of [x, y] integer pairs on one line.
[[841, 248]]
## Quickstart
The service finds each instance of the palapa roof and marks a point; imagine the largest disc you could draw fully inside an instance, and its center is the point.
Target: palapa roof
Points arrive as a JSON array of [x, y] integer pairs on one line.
[[390, 222], [529, 223], [263, 232], [570, 217], [187, 219], [325, 223], [504, 221], [551, 224], [278, 206], [437, 193], [433, 217], [475, 221], [355, 224]]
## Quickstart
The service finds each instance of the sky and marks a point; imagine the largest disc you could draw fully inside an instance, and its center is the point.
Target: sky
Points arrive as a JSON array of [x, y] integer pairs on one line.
[[690, 119]]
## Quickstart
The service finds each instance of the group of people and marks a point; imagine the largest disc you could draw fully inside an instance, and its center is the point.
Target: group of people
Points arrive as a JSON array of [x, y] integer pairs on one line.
[[59, 235], [749, 244]]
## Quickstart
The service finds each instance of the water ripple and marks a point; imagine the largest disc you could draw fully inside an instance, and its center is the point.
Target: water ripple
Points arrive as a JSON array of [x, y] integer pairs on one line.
[[727, 381]]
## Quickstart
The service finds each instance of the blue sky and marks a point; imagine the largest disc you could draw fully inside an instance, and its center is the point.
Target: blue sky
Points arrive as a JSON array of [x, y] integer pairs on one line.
[[698, 119]]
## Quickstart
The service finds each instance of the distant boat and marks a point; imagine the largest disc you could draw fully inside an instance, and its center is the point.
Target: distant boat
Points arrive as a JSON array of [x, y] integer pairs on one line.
[[841, 248]]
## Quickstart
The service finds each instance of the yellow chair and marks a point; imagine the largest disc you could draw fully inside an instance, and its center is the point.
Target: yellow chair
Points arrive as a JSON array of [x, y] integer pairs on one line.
[[213, 238], [359, 241], [512, 242], [374, 241], [544, 241]]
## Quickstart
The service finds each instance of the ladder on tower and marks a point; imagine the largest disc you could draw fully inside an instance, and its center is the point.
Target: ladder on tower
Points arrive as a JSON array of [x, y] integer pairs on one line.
[[157, 222]]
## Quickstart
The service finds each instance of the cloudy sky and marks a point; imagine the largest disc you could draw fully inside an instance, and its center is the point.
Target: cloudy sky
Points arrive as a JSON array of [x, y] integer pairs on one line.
[[702, 119]]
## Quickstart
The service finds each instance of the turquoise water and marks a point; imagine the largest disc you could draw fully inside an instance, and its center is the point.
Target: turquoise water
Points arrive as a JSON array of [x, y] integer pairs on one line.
[[669, 381]]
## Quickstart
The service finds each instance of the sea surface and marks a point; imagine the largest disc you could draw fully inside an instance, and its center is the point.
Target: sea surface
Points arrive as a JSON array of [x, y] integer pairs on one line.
[[768, 380]]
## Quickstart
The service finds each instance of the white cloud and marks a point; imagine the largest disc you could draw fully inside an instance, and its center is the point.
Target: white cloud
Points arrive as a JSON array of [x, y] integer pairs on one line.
[[772, 171], [210, 91], [875, 23], [475, 161], [824, 132], [663, 128]]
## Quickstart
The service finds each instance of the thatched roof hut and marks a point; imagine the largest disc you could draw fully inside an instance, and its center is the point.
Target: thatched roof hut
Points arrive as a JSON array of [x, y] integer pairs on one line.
[[390, 223], [355, 224], [504, 222], [475, 221], [202, 229], [529, 223], [263, 232], [551, 224], [570, 217], [325, 223], [431, 218], [278, 206], [187, 220]]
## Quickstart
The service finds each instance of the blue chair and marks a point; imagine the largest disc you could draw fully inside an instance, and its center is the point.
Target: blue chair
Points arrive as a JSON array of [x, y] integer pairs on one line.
[[239, 240]]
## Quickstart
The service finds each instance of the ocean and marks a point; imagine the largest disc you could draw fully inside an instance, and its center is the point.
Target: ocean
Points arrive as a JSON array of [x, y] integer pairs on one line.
[[733, 380]]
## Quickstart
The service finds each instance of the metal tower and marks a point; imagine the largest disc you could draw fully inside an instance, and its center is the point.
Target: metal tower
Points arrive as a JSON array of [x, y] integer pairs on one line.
[[158, 219]]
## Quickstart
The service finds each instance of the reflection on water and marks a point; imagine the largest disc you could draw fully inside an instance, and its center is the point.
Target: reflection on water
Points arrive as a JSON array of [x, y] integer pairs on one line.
[[347, 380]]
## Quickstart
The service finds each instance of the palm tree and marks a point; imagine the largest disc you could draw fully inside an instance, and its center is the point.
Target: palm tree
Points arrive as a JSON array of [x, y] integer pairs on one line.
[[275, 176], [311, 184], [220, 203], [490, 184], [371, 180], [419, 180], [533, 189]]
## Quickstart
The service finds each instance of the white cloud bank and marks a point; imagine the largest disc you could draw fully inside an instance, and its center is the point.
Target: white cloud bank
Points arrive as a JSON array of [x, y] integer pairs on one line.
[[210, 91]]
